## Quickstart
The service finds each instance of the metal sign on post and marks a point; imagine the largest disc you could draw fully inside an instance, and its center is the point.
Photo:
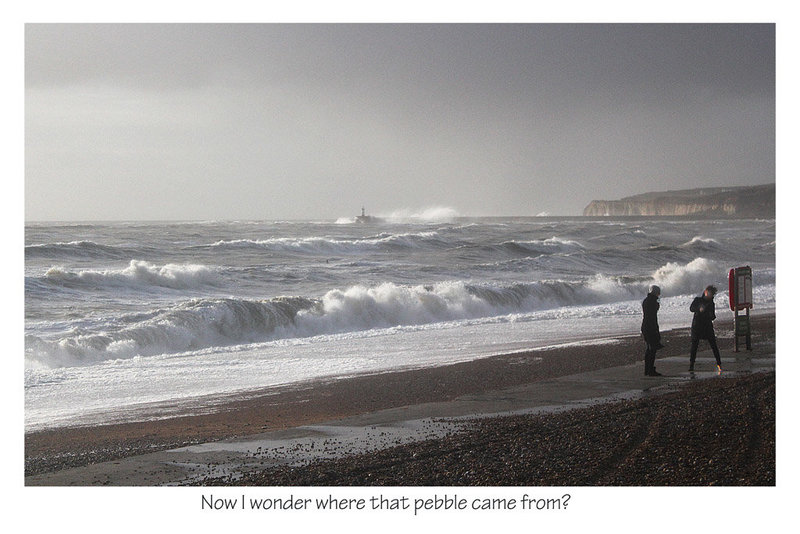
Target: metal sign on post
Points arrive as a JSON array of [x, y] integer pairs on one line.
[[740, 293]]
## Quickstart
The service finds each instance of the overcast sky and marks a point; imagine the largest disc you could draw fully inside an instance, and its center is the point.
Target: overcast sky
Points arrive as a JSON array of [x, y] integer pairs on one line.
[[314, 121]]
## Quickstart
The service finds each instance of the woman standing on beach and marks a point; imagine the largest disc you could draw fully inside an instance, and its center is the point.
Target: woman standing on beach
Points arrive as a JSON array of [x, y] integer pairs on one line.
[[650, 330], [703, 325]]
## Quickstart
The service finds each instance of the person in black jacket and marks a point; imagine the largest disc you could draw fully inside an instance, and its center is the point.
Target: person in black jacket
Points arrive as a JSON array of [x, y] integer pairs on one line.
[[703, 325], [650, 331]]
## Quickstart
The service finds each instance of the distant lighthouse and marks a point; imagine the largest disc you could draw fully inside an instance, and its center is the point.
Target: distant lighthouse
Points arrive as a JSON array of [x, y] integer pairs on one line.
[[364, 218]]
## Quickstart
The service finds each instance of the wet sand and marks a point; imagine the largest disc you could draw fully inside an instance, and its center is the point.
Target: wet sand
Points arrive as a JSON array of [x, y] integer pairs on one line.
[[56, 450]]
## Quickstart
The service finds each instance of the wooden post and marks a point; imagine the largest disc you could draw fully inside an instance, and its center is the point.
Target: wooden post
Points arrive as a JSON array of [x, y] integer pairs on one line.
[[741, 328], [749, 344]]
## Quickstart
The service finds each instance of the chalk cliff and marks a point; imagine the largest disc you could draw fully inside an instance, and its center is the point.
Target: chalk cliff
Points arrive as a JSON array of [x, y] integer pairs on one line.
[[729, 202]]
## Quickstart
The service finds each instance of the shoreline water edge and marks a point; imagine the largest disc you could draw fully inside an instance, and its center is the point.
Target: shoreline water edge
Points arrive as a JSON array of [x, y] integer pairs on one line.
[[61, 449]]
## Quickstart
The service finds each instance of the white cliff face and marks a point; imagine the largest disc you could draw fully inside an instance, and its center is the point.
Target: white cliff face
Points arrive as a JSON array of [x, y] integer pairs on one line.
[[757, 201], [654, 208]]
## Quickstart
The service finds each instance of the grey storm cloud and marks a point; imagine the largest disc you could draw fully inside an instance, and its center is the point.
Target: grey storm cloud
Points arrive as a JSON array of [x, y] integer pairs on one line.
[[303, 120]]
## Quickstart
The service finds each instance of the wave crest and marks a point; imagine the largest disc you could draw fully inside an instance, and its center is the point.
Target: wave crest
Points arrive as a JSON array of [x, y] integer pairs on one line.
[[701, 243], [194, 325], [331, 246], [75, 249], [138, 274], [552, 245]]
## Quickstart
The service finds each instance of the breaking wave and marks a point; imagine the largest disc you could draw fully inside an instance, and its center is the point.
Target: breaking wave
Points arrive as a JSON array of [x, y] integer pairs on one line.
[[137, 275], [194, 325], [700, 243], [677, 279], [207, 323]]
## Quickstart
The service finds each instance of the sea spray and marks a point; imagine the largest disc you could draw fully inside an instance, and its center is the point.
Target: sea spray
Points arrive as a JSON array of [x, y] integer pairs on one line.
[[434, 214], [429, 215], [676, 279]]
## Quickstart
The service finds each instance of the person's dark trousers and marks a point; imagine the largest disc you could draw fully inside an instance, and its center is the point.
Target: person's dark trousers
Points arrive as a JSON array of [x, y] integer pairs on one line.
[[650, 359], [712, 341]]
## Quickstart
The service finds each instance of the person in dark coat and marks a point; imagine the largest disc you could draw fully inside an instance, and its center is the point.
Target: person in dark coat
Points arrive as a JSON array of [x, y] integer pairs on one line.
[[703, 325], [650, 331]]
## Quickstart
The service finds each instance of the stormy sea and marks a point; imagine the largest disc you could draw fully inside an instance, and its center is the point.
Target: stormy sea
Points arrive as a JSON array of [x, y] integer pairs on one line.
[[130, 320]]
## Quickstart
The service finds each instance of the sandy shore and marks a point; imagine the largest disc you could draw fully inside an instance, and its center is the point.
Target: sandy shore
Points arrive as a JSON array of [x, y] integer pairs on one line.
[[55, 450]]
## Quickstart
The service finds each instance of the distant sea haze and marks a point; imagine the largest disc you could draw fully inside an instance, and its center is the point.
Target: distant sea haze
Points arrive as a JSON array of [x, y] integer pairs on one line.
[[123, 316]]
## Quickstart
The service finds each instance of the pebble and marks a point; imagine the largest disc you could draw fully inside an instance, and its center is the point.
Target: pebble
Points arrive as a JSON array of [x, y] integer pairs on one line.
[[726, 436]]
